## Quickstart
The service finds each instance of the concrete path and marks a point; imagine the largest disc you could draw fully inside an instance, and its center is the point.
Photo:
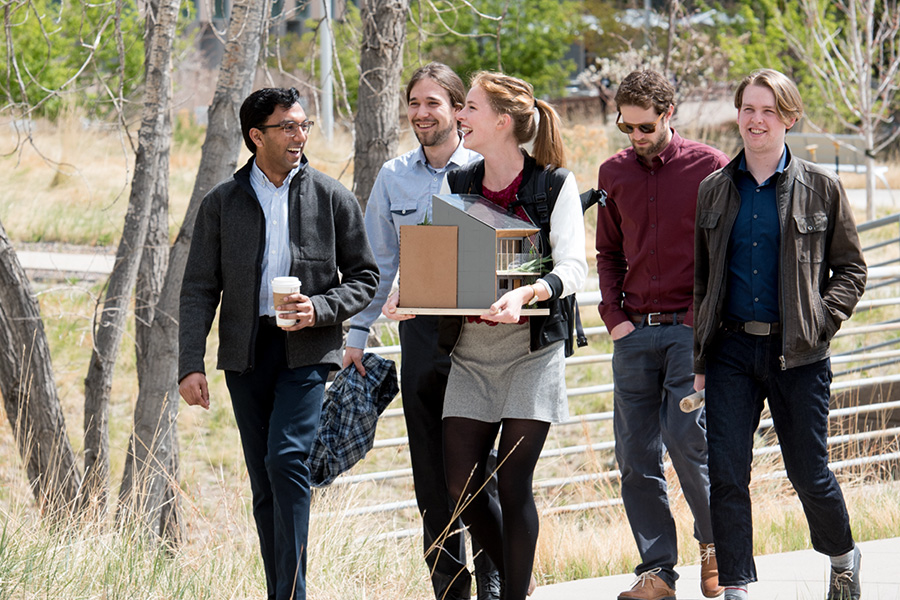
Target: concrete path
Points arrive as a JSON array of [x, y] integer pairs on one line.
[[66, 265], [888, 198], [63, 265], [789, 576]]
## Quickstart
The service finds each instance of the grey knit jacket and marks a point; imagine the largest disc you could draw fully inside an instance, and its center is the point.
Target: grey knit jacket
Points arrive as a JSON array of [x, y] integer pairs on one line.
[[327, 235]]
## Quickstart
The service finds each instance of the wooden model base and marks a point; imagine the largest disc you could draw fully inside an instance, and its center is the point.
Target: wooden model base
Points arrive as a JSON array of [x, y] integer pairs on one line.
[[466, 312]]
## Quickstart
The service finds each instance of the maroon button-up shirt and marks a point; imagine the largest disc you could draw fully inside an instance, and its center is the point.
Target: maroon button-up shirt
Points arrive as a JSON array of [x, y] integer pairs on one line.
[[645, 235]]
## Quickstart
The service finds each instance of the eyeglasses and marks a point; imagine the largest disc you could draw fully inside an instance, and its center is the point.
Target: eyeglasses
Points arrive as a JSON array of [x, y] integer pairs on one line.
[[644, 127], [291, 127]]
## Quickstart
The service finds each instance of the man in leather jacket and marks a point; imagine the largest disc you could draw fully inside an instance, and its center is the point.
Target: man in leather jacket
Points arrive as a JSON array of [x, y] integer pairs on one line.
[[778, 267]]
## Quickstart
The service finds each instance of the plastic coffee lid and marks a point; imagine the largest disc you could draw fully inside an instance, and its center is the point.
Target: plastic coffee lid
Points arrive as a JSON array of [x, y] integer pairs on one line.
[[289, 281]]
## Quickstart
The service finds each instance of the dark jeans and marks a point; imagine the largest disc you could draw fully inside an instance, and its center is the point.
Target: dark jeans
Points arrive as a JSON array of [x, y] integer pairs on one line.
[[742, 371], [277, 412], [423, 380], [653, 371]]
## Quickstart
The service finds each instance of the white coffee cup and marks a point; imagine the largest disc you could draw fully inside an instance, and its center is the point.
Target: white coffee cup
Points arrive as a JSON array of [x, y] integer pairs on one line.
[[281, 287]]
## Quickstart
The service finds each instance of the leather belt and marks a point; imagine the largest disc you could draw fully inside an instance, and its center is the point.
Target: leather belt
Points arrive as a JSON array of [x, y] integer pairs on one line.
[[753, 327], [659, 318]]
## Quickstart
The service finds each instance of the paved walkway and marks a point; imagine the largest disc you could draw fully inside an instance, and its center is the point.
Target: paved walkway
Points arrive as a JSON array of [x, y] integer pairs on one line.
[[99, 262], [789, 576], [66, 265]]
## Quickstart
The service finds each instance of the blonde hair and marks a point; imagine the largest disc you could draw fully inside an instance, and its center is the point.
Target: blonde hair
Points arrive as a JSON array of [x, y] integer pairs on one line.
[[514, 97], [788, 103]]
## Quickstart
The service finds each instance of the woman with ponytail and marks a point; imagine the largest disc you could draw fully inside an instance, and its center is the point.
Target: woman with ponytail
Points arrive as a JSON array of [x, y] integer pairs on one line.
[[507, 371]]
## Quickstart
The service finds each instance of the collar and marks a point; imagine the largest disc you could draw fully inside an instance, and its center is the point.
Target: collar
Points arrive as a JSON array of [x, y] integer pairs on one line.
[[460, 157], [672, 148], [257, 174], [743, 171]]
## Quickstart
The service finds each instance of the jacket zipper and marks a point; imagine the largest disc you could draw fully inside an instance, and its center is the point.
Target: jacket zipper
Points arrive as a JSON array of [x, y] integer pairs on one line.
[[258, 270], [722, 269], [781, 269], [299, 179]]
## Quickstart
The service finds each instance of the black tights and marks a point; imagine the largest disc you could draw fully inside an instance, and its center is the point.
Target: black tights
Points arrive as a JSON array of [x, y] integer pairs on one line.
[[509, 540]]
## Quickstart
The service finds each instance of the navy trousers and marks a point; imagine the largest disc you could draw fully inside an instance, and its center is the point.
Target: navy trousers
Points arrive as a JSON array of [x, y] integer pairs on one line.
[[423, 380], [277, 412], [653, 371], [742, 371]]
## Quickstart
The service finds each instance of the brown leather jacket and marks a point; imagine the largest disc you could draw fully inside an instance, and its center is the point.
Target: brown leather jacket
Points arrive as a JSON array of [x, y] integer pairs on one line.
[[822, 269]]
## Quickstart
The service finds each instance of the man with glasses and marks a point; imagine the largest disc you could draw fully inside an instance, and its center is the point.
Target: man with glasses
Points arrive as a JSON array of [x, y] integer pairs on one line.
[[645, 262], [277, 216]]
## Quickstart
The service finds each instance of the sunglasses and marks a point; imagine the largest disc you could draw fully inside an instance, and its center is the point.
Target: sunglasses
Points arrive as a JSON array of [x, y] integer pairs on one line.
[[644, 127]]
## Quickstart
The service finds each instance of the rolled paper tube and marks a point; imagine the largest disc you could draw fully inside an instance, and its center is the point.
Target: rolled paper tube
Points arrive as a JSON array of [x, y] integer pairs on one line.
[[693, 402]]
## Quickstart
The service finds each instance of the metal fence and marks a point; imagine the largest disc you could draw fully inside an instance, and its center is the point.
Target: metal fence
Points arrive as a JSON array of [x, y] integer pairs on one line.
[[865, 356]]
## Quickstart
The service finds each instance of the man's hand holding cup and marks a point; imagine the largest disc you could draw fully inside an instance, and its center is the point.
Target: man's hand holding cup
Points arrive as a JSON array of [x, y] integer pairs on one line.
[[293, 310]]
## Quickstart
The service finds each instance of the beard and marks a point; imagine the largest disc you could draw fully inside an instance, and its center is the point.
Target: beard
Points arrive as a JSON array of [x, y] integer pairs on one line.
[[434, 137], [653, 149]]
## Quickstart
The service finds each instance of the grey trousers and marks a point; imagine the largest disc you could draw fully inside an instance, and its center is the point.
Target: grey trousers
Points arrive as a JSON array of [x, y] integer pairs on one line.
[[652, 372]]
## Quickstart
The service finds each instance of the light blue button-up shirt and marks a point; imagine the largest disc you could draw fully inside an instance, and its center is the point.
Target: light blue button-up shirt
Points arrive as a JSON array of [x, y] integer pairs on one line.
[[276, 260], [401, 196]]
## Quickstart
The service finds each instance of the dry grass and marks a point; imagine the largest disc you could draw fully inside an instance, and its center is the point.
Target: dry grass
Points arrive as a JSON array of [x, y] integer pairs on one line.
[[350, 558]]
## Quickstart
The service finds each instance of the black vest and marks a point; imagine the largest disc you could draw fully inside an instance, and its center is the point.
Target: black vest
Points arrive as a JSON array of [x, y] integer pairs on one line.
[[538, 205]]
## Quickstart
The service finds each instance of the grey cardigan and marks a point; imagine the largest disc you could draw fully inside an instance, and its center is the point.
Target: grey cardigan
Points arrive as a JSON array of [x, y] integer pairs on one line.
[[327, 235]]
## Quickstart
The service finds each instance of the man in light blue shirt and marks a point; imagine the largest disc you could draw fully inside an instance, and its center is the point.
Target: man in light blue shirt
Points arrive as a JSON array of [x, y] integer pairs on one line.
[[402, 196], [276, 259]]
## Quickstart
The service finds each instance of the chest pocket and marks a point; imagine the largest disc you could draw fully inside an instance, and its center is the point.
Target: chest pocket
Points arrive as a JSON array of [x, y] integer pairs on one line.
[[709, 219], [406, 213], [811, 237]]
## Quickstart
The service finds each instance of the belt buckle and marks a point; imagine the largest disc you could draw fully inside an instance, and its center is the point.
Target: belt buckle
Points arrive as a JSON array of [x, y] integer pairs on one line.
[[650, 319], [757, 328]]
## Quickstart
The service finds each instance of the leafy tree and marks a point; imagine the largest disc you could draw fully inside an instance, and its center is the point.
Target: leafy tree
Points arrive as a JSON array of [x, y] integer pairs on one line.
[[607, 35], [51, 49], [523, 38], [755, 38], [299, 56]]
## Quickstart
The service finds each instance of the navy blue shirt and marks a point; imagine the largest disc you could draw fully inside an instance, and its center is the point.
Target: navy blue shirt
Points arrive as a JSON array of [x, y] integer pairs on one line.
[[753, 250]]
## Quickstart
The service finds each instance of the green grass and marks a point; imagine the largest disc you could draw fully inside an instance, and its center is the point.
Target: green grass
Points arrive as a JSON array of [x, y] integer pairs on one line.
[[348, 560]]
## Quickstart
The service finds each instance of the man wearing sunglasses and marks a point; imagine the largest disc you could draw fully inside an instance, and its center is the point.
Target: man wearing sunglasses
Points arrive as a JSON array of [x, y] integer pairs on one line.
[[645, 262], [277, 216]]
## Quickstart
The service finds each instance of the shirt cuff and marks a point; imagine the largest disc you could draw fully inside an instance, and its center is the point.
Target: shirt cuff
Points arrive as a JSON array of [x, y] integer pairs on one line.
[[543, 285], [356, 338], [614, 318]]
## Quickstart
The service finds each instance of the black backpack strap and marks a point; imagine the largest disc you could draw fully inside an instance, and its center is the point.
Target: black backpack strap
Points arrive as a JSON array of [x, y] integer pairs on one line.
[[542, 199], [462, 180], [580, 336], [592, 197]]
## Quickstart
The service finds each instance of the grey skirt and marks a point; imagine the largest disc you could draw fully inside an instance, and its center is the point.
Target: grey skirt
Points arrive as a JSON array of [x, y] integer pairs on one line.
[[494, 376]]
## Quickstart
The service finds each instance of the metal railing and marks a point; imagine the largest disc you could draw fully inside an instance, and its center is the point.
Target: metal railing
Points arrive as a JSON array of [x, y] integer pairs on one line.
[[862, 357], [883, 223]]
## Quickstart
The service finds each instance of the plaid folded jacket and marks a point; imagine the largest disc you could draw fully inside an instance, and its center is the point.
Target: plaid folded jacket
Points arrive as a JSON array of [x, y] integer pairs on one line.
[[350, 413]]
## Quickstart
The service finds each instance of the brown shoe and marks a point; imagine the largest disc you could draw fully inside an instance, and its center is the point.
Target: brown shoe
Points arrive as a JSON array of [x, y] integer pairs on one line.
[[649, 586], [709, 572]]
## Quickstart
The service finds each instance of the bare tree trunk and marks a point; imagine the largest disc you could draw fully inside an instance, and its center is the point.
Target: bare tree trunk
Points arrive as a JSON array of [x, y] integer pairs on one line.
[[870, 185], [150, 479], [858, 71], [670, 40], [29, 391], [380, 66], [153, 138]]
